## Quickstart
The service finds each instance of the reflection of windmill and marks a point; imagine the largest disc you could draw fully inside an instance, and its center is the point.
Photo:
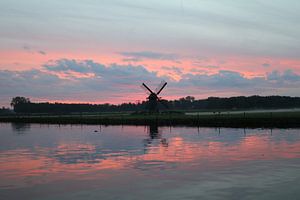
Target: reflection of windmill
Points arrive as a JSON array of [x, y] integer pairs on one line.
[[153, 98], [155, 137]]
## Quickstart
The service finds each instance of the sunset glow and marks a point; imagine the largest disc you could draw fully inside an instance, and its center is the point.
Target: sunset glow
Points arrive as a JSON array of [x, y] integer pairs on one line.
[[213, 49]]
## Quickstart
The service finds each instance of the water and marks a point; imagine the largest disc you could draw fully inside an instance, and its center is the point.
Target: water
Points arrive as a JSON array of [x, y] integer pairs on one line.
[[136, 162]]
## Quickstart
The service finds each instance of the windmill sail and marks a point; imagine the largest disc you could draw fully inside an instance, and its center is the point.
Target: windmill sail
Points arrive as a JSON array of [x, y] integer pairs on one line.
[[164, 85], [159, 86], [153, 98], [146, 87]]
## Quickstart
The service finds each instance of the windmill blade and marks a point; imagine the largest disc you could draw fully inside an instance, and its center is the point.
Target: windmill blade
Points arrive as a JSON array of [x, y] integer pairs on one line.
[[164, 85], [146, 87], [159, 86]]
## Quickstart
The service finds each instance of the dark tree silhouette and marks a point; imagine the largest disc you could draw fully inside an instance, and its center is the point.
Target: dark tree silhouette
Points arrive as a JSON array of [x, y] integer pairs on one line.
[[5, 111], [23, 105], [16, 101]]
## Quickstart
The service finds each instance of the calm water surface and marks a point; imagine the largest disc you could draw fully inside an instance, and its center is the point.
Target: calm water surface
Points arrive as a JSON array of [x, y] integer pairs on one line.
[[129, 162]]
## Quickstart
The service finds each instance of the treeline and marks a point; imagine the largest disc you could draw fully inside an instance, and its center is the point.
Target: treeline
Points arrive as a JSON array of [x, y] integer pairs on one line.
[[241, 102], [5, 111], [24, 105]]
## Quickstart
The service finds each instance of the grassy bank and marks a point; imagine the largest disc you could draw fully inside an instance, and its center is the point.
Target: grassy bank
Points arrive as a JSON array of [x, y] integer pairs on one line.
[[263, 119]]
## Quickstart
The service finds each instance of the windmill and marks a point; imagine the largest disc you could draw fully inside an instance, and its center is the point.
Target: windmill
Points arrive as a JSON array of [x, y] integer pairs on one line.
[[153, 98]]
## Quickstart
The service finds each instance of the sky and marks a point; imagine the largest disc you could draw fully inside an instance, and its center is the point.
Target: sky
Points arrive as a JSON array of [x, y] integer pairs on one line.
[[102, 51]]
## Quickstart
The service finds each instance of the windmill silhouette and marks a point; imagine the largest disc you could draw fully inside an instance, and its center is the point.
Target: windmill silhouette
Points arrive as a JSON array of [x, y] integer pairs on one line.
[[153, 98]]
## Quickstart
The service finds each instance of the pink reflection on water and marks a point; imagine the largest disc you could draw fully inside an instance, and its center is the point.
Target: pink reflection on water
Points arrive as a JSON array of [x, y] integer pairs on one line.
[[77, 161]]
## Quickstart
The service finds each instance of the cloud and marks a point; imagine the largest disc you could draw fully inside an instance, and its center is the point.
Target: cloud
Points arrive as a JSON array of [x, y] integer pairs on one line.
[[224, 79], [42, 52], [65, 65], [32, 83], [32, 50], [287, 76], [229, 83], [176, 70], [114, 73], [207, 66], [113, 83], [65, 80], [141, 55], [266, 65], [26, 47], [131, 60], [114, 80]]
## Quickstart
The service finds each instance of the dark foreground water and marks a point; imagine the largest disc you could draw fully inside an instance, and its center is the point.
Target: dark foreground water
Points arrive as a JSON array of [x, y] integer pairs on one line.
[[115, 162]]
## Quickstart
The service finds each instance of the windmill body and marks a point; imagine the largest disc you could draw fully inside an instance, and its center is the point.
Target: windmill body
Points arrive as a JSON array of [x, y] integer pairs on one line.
[[153, 98], [153, 101]]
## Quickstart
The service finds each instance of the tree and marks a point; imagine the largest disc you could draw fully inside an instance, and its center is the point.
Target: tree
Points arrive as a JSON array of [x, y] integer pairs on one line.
[[190, 98], [18, 101]]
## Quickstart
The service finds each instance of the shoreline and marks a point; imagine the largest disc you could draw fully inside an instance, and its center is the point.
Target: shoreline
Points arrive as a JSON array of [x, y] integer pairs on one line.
[[241, 120]]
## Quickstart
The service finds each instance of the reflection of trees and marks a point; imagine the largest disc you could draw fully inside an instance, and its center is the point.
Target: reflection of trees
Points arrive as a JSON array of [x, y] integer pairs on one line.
[[155, 135], [20, 127]]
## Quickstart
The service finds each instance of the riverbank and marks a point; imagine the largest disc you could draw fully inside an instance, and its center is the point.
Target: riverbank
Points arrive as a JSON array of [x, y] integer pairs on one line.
[[226, 119]]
